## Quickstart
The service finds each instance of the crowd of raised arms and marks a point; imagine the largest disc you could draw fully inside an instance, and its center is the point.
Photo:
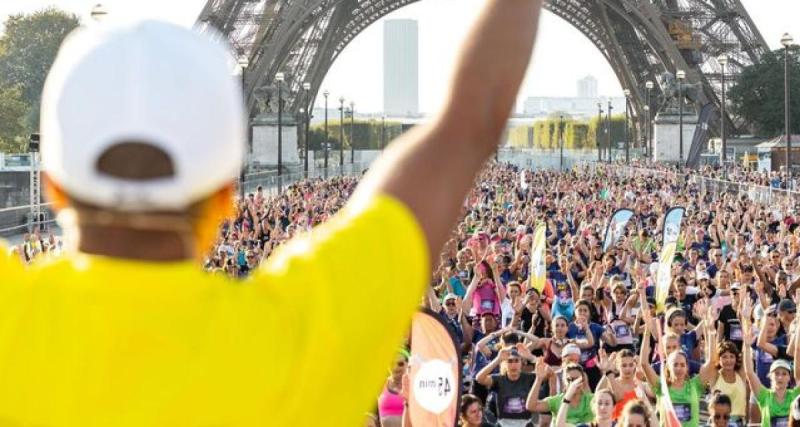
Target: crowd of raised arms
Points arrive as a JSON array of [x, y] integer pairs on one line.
[[588, 348]]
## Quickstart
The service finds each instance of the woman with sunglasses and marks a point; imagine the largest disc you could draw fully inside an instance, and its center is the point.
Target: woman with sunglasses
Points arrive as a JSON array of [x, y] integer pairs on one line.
[[578, 401], [602, 405], [719, 411], [773, 401], [511, 385]]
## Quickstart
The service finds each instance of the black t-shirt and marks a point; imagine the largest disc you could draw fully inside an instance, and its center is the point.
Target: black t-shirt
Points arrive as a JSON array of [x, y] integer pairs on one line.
[[731, 327], [511, 395]]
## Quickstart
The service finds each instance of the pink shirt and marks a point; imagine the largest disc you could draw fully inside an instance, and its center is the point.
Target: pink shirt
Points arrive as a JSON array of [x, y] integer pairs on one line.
[[390, 404], [484, 299]]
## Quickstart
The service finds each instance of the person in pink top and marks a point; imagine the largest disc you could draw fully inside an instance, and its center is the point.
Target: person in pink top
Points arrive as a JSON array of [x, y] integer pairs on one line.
[[391, 402], [484, 293]]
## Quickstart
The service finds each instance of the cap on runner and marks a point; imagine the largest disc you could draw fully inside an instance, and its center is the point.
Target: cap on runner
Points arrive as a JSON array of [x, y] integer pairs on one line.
[[144, 82]]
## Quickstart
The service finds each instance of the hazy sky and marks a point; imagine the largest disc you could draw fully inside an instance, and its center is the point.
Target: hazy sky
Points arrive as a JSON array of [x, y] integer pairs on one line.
[[562, 56]]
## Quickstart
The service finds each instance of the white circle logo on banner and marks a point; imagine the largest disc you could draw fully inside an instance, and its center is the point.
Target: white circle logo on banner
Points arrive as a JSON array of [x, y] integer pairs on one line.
[[435, 386]]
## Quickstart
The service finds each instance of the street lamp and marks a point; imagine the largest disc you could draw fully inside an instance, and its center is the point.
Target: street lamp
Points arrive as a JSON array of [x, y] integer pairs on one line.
[[648, 131], [681, 75], [341, 133], [723, 61], [325, 142], [307, 122], [787, 41], [243, 63], [561, 142], [383, 131], [627, 135], [352, 140], [608, 129], [99, 12], [279, 77], [597, 133]]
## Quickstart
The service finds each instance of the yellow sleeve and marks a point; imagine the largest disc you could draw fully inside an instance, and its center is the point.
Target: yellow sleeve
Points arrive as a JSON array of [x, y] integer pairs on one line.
[[351, 286]]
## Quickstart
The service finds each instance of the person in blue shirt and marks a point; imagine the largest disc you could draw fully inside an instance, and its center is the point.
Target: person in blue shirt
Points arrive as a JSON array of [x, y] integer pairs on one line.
[[676, 322], [588, 336]]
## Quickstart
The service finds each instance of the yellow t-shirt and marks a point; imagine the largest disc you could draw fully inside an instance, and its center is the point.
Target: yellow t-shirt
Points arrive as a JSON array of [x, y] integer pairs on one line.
[[307, 340]]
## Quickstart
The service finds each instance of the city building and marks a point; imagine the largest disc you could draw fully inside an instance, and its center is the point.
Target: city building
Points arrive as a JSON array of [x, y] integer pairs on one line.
[[539, 106], [401, 67], [587, 87]]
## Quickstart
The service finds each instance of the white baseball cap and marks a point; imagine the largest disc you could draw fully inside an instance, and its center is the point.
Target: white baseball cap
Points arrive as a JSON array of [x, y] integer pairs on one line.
[[149, 82]]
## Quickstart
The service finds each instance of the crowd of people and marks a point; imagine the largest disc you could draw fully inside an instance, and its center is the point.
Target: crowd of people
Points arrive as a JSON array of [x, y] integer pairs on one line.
[[589, 347]]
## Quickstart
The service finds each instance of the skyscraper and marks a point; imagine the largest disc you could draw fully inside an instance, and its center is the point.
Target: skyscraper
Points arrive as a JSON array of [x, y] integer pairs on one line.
[[400, 67], [587, 87]]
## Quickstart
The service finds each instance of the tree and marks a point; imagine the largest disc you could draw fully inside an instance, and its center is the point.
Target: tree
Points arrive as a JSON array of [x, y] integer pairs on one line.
[[758, 96], [13, 112], [28, 48]]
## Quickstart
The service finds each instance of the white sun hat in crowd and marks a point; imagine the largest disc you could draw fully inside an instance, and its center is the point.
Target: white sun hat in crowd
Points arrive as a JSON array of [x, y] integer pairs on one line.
[[150, 82]]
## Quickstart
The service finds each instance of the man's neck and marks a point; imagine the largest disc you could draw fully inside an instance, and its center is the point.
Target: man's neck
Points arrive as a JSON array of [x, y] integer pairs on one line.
[[140, 245]]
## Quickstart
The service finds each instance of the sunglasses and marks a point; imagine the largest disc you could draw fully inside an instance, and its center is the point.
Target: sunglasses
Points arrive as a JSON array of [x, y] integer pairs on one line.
[[450, 303], [722, 416], [513, 360]]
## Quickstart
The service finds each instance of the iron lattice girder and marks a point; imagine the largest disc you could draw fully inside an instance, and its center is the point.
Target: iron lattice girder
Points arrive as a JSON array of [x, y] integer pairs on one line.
[[303, 38]]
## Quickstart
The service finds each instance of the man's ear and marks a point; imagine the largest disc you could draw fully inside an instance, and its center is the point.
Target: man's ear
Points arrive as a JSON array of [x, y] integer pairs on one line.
[[54, 194]]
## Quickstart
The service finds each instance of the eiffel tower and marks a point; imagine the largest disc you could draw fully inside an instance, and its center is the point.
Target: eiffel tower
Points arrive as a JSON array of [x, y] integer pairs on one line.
[[641, 40]]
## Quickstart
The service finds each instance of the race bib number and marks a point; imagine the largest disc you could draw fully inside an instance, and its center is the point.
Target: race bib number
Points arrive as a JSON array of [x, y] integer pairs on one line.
[[765, 357], [514, 405], [487, 305], [683, 411], [621, 330], [779, 422], [736, 332]]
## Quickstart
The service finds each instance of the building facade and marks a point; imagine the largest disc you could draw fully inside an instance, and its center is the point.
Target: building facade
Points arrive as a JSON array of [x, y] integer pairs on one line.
[[401, 68]]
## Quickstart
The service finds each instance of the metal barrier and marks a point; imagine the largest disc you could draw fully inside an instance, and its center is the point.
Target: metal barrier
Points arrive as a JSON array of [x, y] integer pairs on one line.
[[18, 219]]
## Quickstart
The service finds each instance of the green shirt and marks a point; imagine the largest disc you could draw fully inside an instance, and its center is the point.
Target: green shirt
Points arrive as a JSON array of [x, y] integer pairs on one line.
[[686, 401], [770, 408], [575, 415]]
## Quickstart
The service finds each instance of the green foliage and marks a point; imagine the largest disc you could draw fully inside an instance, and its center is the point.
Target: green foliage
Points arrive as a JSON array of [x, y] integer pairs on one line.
[[366, 134], [577, 134], [28, 47], [758, 96], [617, 131], [13, 112]]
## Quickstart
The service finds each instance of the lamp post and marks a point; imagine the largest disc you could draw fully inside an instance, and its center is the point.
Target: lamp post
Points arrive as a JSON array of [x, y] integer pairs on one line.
[[648, 132], [608, 129], [341, 133], [98, 12], [723, 61], [307, 122], [561, 142], [352, 125], [681, 75], [597, 134], [787, 41], [325, 141], [243, 63], [383, 131], [279, 80], [627, 134]]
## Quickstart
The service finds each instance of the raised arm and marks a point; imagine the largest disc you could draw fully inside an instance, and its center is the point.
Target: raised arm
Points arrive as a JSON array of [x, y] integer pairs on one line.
[[796, 354], [708, 372], [532, 403], [431, 168], [644, 356]]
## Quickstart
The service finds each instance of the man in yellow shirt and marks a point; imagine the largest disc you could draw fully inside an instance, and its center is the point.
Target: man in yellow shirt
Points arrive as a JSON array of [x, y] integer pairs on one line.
[[141, 139]]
